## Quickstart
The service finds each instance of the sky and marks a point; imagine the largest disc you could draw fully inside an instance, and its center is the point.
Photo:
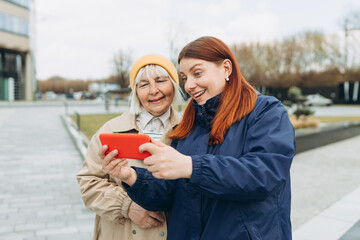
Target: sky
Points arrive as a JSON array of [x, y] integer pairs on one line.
[[77, 39]]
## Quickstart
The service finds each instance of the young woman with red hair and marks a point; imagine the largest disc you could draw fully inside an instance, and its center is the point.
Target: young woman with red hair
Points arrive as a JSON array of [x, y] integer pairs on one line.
[[227, 172]]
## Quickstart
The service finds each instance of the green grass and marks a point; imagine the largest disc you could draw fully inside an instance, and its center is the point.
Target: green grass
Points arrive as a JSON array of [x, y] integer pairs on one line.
[[347, 105], [90, 123], [337, 119]]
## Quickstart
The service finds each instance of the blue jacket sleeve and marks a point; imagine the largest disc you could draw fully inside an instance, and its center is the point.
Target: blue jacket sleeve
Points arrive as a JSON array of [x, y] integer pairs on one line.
[[264, 165], [151, 193]]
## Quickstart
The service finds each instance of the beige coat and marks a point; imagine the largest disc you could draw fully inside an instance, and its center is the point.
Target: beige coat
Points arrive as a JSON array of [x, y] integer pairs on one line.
[[104, 194]]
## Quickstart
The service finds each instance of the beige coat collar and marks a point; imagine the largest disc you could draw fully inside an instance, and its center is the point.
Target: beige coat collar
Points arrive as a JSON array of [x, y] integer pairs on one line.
[[126, 123]]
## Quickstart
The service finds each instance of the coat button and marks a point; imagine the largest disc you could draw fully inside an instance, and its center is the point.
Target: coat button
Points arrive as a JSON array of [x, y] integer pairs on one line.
[[162, 234], [134, 231]]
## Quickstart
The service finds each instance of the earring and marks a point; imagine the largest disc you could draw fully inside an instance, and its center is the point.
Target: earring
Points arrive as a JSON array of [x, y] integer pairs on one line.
[[227, 79]]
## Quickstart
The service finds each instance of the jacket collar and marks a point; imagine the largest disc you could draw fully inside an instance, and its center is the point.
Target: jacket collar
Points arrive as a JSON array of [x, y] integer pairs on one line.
[[145, 117], [205, 113], [128, 122], [175, 118]]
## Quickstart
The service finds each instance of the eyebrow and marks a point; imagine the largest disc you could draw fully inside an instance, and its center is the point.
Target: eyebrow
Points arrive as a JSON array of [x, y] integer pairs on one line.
[[196, 65], [156, 78], [143, 80]]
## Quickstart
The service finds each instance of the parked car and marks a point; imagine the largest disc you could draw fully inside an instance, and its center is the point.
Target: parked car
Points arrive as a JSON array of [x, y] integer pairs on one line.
[[317, 100], [50, 95], [88, 95]]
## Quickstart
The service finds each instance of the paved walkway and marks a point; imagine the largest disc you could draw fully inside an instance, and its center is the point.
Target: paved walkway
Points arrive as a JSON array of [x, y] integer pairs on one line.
[[40, 198], [326, 191]]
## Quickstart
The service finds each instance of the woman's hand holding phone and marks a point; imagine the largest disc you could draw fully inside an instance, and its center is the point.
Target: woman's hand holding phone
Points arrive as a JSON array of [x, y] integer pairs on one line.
[[165, 162], [117, 167]]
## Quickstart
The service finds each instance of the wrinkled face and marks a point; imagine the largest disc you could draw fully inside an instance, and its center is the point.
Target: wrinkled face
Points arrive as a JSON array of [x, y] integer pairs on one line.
[[203, 79], [155, 93]]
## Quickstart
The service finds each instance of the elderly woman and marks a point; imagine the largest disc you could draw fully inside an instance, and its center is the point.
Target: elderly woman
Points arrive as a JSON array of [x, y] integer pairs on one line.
[[154, 82]]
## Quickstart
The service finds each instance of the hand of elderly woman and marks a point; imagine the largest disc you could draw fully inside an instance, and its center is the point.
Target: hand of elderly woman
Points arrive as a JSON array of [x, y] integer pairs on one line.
[[165, 162], [117, 167], [144, 218]]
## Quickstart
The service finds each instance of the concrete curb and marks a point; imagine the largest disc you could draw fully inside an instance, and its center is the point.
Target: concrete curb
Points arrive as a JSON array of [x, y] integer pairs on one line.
[[334, 222], [79, 139], [307, 139], [325, 128]]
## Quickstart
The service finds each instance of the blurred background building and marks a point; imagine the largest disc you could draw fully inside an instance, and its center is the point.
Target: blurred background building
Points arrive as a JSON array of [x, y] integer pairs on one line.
[[17, 61]]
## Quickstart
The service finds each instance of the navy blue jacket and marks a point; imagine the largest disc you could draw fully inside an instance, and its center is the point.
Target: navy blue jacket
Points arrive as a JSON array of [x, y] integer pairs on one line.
[[239, 189]]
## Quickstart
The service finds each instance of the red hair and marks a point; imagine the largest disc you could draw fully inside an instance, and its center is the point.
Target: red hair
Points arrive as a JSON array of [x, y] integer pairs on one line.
[[237, 100]]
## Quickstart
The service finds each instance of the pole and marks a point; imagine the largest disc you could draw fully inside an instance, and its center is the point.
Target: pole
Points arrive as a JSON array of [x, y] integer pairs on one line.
[[77, 120]]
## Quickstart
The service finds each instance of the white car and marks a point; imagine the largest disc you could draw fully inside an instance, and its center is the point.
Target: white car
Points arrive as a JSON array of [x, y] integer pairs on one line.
[[317, 100], [50, 95]]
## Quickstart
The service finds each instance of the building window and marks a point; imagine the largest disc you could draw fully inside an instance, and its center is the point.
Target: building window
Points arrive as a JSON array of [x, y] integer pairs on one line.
[[23, 3], [14, 24], [1, 62], [10, 62]]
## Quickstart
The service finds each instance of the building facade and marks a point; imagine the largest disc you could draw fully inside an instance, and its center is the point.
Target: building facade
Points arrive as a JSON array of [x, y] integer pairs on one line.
[[17, 61]]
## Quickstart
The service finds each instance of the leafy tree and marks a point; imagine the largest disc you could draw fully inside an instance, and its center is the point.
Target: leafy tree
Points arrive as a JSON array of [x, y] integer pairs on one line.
[[304, 59]]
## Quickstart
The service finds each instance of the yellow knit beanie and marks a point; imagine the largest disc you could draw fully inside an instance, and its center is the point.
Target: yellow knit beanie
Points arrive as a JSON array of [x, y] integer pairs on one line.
[[155, 59]]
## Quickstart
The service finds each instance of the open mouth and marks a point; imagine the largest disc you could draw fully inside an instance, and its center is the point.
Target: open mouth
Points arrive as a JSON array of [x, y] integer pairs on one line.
[[199, 94], [157, 100]]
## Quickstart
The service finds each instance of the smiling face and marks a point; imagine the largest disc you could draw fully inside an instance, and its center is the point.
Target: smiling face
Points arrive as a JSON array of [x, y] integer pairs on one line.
[[155, 93], [204, 79]]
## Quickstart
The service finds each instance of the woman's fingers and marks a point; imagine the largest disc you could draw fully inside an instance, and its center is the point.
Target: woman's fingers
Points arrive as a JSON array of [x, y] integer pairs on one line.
[[149, 147], [149, 161], [165, 162], [110, 162], [110, 157], [159, 175], [117, 162], [151, 222], [158, 143], [158, 216], [150, 167], [102, 151]]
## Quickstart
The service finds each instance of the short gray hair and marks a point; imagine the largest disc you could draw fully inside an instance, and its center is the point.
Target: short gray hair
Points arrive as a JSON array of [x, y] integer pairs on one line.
[[152, 69]]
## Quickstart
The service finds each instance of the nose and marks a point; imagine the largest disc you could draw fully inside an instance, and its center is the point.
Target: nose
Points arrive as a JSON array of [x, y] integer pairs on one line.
[[153, 89], [189, 84]]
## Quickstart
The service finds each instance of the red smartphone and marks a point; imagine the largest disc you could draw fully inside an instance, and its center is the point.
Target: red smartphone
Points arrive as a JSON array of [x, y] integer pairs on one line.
[[127, 144]]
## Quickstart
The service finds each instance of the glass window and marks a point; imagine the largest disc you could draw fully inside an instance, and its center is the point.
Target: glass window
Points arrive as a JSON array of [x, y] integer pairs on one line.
[[1, 64], [14, 24], [2, 21], [24, 3], [10, 62]]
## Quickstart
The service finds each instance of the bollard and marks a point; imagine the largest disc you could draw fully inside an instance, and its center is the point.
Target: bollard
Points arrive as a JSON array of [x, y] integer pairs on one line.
[[117, 98], [66, 108], [77, 120], [107, 101]]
